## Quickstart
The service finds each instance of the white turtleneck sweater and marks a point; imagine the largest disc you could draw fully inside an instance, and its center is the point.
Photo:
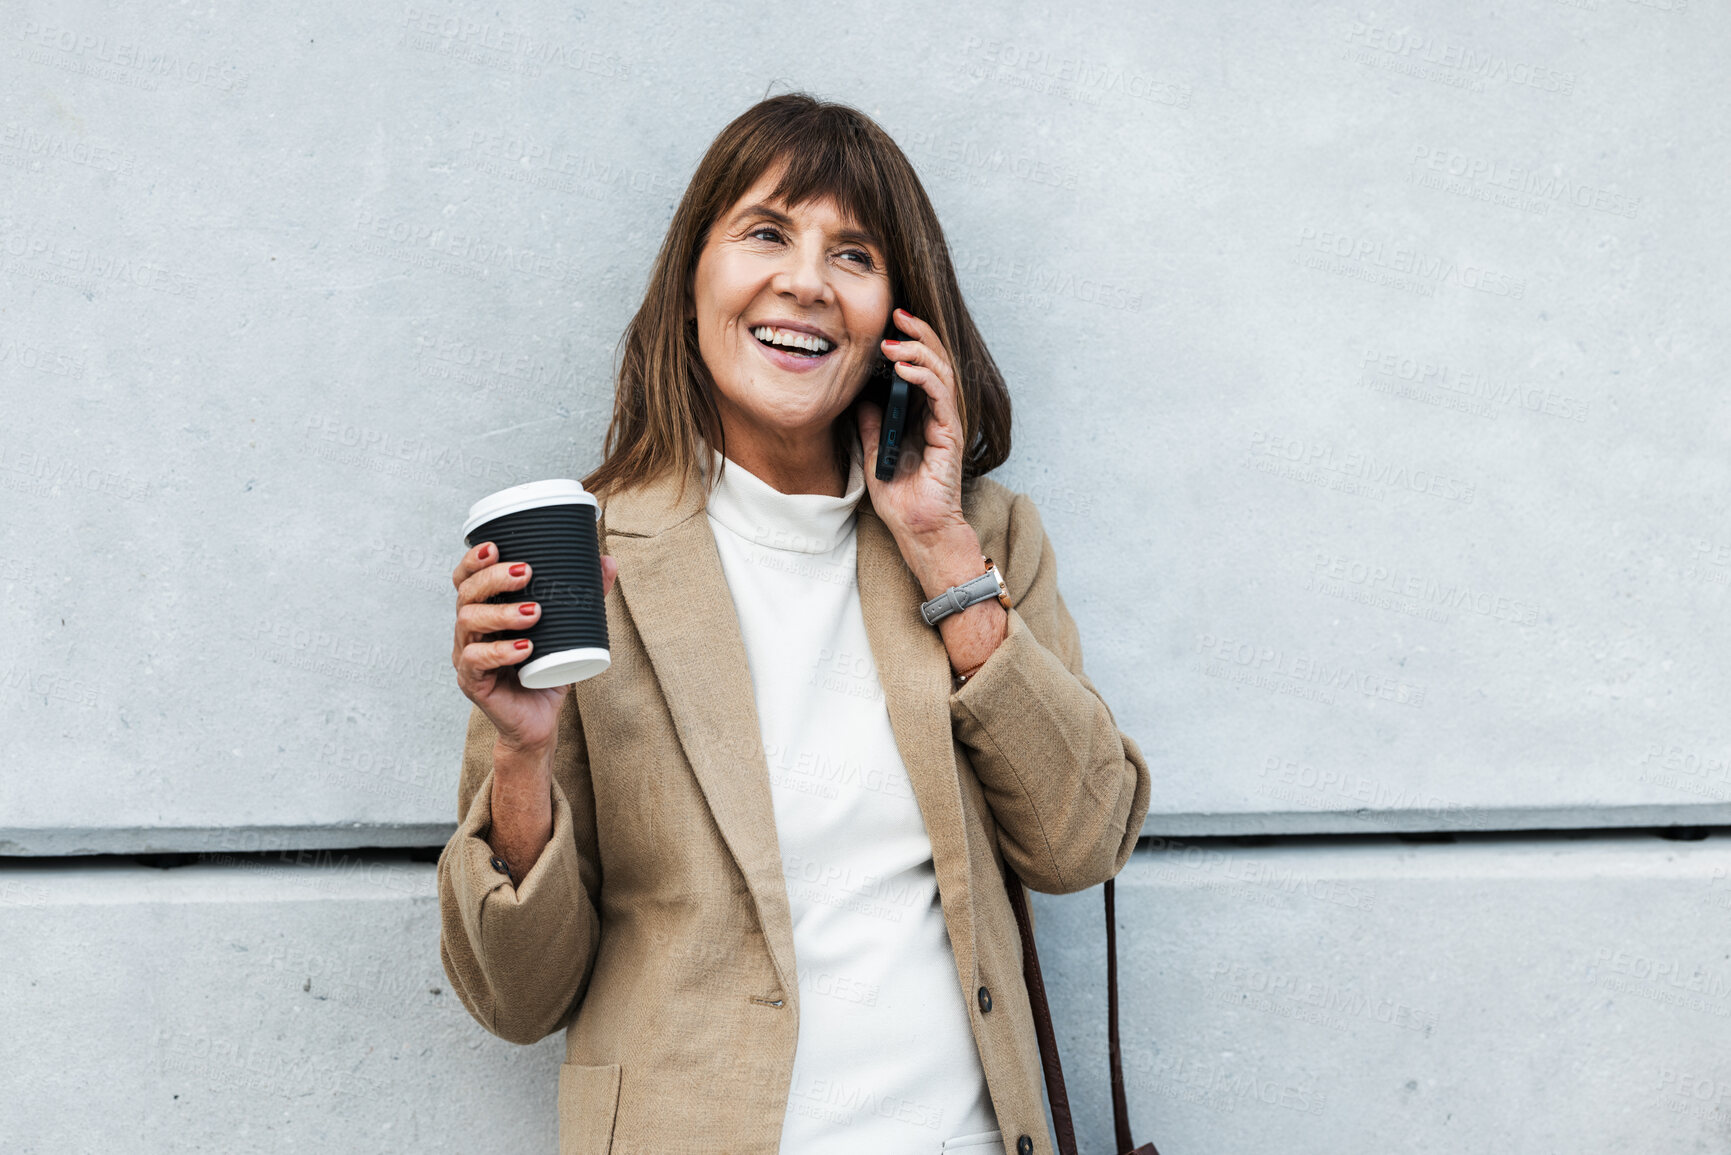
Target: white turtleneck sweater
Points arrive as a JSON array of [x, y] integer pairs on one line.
[[886, 1060]]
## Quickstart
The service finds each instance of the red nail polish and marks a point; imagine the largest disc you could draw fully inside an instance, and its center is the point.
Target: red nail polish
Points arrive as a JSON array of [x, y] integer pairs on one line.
[[485, 550], [520, 644], [517, 570], [891, 341], [526, 609]]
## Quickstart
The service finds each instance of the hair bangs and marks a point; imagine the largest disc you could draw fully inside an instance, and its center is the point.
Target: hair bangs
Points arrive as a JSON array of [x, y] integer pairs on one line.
[[836, 166]]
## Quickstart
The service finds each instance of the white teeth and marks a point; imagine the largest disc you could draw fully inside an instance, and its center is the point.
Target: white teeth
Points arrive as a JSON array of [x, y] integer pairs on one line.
[[791, 339]]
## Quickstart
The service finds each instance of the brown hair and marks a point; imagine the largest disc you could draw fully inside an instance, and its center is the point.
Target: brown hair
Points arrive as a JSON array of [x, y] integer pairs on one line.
[[664, 405]]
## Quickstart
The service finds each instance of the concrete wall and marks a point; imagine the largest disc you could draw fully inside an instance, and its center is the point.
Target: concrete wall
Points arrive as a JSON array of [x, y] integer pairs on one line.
[[1378, 349]]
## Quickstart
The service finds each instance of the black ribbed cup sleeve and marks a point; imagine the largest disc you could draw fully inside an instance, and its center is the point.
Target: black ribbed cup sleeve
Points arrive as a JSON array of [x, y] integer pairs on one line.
[[558, 541]]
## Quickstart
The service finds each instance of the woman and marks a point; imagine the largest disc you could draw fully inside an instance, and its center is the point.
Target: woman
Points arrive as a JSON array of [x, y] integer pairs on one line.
[[755, 868]]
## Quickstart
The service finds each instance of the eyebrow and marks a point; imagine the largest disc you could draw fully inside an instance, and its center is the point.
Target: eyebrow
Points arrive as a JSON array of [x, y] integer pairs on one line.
[[782, 218]]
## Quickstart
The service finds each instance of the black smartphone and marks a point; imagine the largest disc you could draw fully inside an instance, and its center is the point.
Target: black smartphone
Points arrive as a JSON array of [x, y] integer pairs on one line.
[[900, 400]]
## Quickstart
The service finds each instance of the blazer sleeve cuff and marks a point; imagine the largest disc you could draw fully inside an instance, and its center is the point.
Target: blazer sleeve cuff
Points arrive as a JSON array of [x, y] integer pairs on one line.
[[1025, 699], [508, 923], [1068, 787], [985, 679]]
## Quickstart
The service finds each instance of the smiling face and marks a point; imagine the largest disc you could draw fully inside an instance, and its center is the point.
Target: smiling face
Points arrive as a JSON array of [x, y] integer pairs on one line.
[[800, 276]]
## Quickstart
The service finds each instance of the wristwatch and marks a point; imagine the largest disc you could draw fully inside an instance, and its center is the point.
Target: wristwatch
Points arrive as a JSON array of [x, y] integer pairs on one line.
[[958, 598]]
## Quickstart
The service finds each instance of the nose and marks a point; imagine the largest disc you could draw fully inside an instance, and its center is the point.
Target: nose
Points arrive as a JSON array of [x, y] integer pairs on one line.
[[804, 277]]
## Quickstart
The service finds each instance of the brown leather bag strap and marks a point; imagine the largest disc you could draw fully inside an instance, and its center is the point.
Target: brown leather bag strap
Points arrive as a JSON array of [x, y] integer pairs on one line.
[[1062, 1121], [1120, 1106]]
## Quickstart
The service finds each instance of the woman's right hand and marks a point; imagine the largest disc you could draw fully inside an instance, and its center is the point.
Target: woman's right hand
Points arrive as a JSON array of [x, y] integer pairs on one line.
[[525, 719]]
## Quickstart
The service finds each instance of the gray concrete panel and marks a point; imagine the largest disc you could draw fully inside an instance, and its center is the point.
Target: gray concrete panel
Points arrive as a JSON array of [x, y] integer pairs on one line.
[[1490, 995], [1374, 354], [1542, 995], [250, 1005]]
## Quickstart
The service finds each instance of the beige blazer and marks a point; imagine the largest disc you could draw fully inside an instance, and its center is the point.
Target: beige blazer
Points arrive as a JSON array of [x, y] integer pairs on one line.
[[655, 926]]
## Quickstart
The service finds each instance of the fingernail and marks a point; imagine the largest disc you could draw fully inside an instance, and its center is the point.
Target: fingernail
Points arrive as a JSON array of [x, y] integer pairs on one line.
[[891, 341], [517, 570], [485, 550], [526, 609], [520, 644]]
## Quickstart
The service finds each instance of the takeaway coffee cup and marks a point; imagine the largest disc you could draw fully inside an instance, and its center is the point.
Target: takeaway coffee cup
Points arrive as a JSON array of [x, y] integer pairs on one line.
[[551, 525]]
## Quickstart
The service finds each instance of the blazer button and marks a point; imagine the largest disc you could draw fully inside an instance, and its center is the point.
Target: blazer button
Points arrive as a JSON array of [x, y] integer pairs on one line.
[[1024, 1146], [985, 999]]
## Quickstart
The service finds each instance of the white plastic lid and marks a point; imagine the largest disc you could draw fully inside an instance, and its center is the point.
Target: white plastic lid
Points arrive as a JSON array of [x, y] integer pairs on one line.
[[563, 668], [553, 491]]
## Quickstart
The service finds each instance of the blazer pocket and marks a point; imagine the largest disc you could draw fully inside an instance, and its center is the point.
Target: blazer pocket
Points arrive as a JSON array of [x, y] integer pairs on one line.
[[588, 1100]]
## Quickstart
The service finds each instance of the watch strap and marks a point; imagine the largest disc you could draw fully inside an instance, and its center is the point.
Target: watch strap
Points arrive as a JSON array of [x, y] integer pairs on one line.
[[958, 598]]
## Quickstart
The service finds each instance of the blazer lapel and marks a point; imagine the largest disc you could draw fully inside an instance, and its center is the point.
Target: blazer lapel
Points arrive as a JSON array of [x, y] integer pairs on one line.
[[914, 669], [671, 579]]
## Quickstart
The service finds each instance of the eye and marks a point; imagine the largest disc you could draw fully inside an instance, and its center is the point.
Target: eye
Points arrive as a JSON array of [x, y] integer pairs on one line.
[[865, 258], [761, 229]]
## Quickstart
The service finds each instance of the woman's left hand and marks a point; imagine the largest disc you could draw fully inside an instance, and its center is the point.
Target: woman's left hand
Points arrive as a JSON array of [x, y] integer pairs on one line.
[[922, 503]]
